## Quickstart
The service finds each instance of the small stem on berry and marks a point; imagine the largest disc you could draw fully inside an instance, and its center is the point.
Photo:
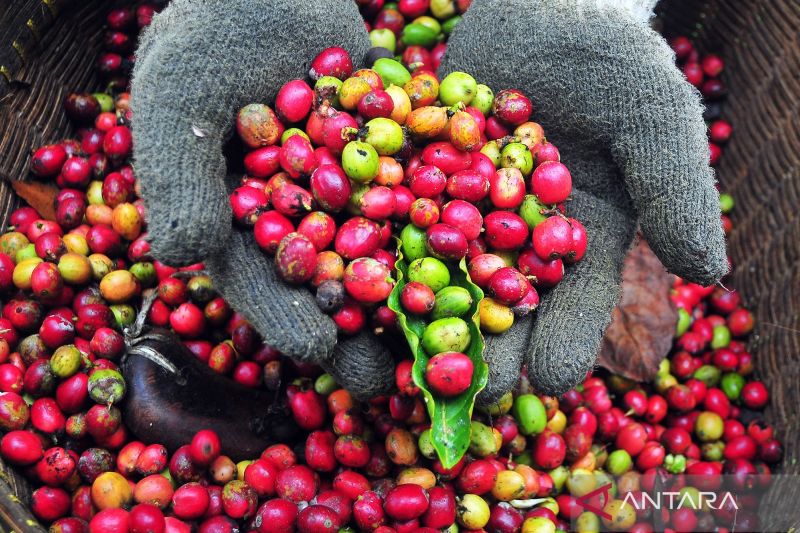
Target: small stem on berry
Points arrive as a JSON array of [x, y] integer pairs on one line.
[[349, 134]]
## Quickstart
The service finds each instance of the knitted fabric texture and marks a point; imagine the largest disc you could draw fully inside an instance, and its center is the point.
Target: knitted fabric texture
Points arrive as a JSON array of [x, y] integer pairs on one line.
[[362, 365], [630, 129], [504, 354]]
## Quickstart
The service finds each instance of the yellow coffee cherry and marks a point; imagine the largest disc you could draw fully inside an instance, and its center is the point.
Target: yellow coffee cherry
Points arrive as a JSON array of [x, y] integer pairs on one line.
[[472, 512], [509, 485], [495, 317]]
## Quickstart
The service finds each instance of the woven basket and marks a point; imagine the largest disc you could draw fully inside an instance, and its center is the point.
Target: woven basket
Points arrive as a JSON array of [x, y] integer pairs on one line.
[[48, 48]]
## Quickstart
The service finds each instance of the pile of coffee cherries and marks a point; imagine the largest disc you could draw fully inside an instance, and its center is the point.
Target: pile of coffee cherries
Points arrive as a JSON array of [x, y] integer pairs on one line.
[[446, 167], [370, 155]]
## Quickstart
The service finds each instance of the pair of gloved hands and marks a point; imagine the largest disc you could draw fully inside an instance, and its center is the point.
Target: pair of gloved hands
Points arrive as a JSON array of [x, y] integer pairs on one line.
[[603, 84]]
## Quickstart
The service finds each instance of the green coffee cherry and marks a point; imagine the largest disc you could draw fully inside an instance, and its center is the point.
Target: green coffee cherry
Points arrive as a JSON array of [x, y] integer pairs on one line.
[[426, 444], [500, 406], [451, 301], [417, 34], [484, 98], [618, 462], [428, 22], [581, 482], [291, 132], [588, 522], [385, 135], [663, 381], [712, 451], [94, 193], [145, 273], [531, 211], [559, 475], [457, 87], [708, 374], [105, 100], [732, 384], [106, 386], [66, 361], [604, 478], [431, 272], [530, 414], [690, 498], [26, 252], [124, 314], [360, 161], [325, 384], [492, 151], [675, 464], [413, 243], [391, 72], [726, 202], [443, 9], [446, 335], [449, 25], [709, 426], [481, 440], [721, 337], [684, 321], [384, 38], [517, 155]]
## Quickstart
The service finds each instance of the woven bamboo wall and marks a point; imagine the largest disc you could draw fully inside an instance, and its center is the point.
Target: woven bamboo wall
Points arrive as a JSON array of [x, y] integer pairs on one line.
[[760, 41]]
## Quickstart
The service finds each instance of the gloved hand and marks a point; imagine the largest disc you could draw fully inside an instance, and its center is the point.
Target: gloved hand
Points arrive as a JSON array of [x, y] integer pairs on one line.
[[630, 129], [196, 65], [200, 61]]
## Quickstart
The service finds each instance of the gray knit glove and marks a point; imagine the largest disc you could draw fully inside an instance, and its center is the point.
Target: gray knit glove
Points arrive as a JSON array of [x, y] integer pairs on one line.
[[630, 129], [197, 64]]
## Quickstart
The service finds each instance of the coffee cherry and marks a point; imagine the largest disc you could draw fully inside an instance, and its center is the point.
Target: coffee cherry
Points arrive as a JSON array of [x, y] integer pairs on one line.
[[449, 373]]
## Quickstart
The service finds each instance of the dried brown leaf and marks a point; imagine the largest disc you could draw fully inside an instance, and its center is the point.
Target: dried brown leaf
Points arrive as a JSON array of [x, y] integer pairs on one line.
[[40, 196], [643, 323]]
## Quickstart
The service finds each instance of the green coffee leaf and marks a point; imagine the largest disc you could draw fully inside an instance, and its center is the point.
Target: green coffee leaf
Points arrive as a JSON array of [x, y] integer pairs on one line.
[[450, 417]]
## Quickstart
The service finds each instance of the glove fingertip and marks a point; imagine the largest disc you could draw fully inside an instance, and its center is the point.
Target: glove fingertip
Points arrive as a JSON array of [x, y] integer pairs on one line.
[[554, 374], [503, 355], [557, 364], [688, 238], [362, 365]]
